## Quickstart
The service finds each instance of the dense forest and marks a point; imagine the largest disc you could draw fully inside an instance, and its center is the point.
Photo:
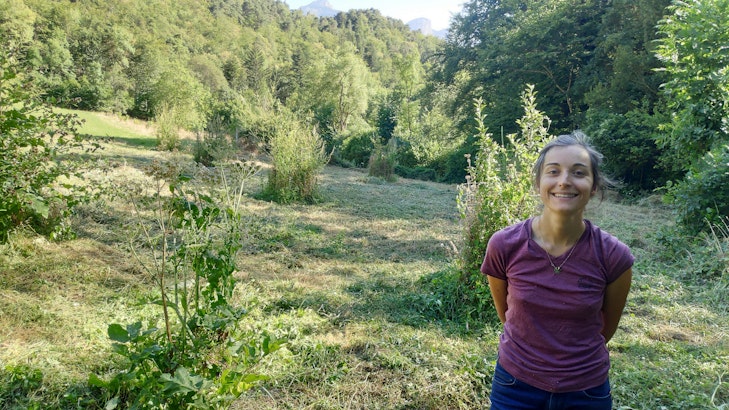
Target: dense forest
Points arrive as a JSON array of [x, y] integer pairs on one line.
[[646, 79]]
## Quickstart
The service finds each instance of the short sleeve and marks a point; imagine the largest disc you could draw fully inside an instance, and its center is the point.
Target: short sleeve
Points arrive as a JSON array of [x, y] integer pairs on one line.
[[494, 262], [618, 257]]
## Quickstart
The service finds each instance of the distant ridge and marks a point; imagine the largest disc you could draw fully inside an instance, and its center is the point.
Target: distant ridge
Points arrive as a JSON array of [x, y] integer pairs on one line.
[[320, 8], [323, 8], [425, 26]]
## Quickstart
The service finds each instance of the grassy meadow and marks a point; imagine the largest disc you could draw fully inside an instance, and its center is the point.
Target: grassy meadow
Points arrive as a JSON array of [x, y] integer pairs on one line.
[[355, 286]]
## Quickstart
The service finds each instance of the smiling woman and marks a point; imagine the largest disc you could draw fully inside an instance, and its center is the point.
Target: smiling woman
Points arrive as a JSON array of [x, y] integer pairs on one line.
[[559, 285]]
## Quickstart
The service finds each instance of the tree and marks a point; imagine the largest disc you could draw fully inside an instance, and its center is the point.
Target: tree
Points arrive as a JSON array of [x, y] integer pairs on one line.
[[347, 85], [693, 47], [34, 137]]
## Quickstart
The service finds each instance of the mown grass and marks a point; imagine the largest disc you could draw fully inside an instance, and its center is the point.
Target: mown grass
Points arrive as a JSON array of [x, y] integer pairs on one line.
[[358, 286]]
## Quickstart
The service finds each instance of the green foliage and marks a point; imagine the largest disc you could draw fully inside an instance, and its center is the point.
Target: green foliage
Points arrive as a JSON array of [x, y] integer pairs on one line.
[[18, 384], [498, 192], [200, 358], [213, 145], [297, 156], [628, 142], [168, 129], [693, 48], [383, 161], [701, 198], [357, 148], [35, 165], [422, 173]]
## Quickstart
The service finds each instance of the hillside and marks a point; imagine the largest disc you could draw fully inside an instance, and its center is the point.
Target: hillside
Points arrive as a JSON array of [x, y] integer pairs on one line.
[[360, 288]]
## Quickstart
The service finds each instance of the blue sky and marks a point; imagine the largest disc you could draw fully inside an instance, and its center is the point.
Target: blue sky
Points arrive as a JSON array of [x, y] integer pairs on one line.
[[438, 11]]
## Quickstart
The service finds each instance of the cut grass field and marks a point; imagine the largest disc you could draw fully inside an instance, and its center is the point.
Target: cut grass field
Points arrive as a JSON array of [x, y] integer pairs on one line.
[[352, 284]]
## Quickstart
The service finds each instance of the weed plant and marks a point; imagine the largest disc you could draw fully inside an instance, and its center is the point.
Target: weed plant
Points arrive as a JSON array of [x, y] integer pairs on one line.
[[498, 192], [199, 359], [297, 157], [383, 161]]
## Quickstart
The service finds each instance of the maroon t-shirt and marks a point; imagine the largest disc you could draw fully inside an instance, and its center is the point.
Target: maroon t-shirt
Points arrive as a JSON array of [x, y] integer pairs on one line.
[[551, 338]]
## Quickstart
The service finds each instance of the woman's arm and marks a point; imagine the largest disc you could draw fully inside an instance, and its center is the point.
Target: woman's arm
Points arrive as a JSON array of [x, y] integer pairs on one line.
[[612, 307], [498, 292]]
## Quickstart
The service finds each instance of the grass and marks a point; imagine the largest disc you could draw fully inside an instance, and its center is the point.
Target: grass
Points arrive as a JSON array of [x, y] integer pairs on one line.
[[352, 285]]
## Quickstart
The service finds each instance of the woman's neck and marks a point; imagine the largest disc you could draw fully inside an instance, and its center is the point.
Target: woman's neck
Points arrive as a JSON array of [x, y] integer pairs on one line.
[[557, 231]]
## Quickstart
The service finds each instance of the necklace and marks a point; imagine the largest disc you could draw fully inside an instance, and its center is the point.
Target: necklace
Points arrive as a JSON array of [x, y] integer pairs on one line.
[[556, 268]]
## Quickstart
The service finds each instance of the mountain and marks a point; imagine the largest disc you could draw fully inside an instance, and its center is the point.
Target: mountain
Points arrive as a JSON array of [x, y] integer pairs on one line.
[[320, 8], [425, 26]]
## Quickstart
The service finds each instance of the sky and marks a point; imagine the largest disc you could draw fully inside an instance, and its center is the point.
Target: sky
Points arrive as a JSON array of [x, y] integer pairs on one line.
[[438, 11]]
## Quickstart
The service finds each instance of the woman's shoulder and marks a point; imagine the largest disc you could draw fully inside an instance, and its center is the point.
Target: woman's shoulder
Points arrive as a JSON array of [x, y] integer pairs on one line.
[[515, 233], [605, 238], [611, 250]]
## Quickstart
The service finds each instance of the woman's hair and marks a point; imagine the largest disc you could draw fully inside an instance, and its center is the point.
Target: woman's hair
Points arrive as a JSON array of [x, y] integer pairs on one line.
[[600, 181]]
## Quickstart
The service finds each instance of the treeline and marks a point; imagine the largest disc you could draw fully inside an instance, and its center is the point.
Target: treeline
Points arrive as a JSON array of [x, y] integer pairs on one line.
[[646, 79]]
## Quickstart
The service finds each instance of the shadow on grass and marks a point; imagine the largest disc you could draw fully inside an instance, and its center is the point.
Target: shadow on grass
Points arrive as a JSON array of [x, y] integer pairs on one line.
[[431, 301]]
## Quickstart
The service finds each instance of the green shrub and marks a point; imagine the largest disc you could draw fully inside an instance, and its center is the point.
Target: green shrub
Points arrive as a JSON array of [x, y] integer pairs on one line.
[[213, 145], [383, 160], [451, 167], [297, 156], [628, 142], [33, 178], [357, 148], [498, 192], [168, 128], [421, 173], [199, 358], [701, 199]]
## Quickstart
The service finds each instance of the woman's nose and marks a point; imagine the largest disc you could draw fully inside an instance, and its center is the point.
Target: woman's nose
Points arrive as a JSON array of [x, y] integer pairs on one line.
[[564, 178]]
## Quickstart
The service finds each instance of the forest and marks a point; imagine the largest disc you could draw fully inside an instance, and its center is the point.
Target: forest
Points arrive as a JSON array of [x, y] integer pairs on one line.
[[242, 86], [650, 89]]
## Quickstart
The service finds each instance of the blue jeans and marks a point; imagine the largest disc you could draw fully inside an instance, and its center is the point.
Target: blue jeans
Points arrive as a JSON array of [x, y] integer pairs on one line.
[[508, 393]]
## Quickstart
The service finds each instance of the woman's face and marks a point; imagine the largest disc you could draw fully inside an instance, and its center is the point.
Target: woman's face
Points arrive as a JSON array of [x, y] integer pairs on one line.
[[566, 180]]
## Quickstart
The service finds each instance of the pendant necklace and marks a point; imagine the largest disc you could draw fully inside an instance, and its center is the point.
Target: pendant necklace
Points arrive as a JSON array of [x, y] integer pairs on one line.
[[557, 269]]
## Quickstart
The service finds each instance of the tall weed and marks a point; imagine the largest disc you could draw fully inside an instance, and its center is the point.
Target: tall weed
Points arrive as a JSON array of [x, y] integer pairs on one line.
[[200, 358], [297, 156], [383, 161], [498, 191]]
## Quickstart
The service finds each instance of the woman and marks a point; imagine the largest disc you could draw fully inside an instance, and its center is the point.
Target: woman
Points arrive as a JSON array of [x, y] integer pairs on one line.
[[559, 285]]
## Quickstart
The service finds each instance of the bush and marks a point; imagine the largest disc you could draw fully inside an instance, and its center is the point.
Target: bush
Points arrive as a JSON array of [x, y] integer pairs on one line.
[[498, 192], [200, 358], [357, 148], [168, 128], [451, 167], [628, 142], [298, 156], [421, 173], [382, 161], [34, 138], [213, 145], [701, 199]]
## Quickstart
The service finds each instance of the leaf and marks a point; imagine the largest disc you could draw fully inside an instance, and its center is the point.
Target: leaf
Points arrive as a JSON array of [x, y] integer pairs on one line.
[[112, 404], [117, 333], [95, 381], [183, 382], [38, 205]]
